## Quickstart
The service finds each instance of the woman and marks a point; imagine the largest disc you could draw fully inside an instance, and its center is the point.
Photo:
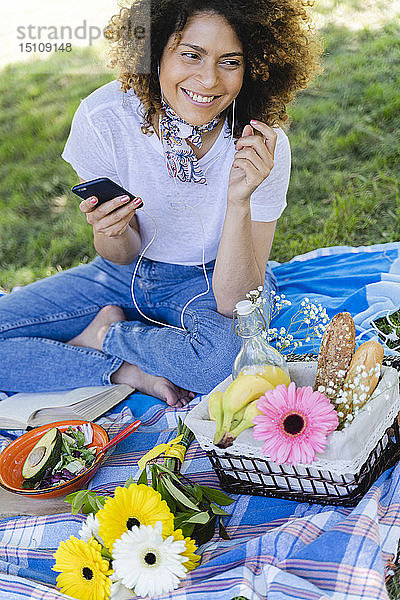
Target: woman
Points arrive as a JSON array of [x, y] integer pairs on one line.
[[218, 69]]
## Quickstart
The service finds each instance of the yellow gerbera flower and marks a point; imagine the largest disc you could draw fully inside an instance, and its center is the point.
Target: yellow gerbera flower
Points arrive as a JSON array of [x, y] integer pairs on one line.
[[193, 559], [83, 571], [130, 507]]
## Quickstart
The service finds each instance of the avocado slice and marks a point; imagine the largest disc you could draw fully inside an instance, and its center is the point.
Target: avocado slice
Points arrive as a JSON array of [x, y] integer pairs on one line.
[[44, 455]]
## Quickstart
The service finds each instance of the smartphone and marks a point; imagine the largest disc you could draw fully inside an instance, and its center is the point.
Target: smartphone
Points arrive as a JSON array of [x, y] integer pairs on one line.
[[103, 188]]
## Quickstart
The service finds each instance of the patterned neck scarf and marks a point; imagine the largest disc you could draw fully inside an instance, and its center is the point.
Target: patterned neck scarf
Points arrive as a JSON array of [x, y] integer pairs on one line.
[[181, 160]]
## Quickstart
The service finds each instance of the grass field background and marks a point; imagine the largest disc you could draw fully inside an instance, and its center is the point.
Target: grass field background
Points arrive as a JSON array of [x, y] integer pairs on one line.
[[344, 136]]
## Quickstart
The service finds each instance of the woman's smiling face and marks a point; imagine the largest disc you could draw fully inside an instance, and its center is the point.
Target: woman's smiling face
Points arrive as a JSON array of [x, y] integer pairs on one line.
[[203, 74]]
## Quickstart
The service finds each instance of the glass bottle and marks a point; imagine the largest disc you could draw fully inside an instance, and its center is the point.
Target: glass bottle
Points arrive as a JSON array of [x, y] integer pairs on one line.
[[256, 356]]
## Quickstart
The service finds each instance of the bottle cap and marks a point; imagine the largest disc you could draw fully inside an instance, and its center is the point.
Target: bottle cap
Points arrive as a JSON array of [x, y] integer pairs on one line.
[[244, 307]]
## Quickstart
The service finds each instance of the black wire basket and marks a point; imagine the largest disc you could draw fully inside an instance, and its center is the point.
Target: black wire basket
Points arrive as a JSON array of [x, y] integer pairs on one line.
[[248, 475]]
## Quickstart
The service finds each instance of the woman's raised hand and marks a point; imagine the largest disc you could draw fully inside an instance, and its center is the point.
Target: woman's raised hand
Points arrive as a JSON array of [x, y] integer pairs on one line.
[[112, 217], [253, 161]]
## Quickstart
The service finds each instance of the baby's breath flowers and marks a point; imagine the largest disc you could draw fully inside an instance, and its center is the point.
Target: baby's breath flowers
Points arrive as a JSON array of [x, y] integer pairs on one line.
[[308, 322], [355, 394]]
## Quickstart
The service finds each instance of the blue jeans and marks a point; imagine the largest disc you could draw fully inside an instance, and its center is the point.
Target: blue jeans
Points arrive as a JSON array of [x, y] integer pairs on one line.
[[38, 319]]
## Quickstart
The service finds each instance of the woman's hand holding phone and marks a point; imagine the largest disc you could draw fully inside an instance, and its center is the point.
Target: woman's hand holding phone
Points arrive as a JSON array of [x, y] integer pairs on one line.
[[108, 206], [110, 218]]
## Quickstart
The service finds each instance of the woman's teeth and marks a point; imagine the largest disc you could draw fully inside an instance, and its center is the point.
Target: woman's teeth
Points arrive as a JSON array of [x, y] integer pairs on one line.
[[198, 98]]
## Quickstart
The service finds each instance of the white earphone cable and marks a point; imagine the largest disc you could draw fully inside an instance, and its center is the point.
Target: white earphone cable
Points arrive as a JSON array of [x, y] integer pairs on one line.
[[184, 207]]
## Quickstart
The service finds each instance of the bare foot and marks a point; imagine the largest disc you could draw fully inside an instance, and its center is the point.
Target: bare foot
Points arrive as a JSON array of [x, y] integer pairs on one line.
[[93, 335], [159, 387]]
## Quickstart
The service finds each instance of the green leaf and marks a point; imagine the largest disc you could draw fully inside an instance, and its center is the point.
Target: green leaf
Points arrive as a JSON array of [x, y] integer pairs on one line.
[[86, 507], [106, 554], [70, 498], [187, 529], [222, 531], [201, 518], [80, 438], [100, 501], [166, 496], [197, 492], [216, 496], [88, 457], [92, 502], [129, 482], [190, 488], [85, 501], [172, 475], [218, 511], [178, 495], [143, 477], [77, 500], [154, 477], [181, 518], [204, 533]]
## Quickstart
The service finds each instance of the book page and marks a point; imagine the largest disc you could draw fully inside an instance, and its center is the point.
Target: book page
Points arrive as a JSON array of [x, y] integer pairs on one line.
[[17, 408], [88, 409]]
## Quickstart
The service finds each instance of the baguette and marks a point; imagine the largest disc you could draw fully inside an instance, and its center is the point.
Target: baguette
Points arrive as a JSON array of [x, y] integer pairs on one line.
[[335, 354], [360, 382]]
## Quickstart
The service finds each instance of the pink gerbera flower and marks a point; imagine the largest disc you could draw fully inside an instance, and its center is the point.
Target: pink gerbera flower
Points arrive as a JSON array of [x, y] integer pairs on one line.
[[294, 423]]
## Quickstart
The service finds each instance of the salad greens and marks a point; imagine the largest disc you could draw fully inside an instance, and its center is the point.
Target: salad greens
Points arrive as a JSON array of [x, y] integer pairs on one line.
[[75, 456]]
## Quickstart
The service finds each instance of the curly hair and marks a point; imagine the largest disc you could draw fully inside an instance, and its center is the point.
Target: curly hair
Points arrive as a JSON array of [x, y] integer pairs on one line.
[[281, 52]]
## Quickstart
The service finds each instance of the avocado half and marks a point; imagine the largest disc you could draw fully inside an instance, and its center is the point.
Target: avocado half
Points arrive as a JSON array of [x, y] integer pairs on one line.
[[44, 455]]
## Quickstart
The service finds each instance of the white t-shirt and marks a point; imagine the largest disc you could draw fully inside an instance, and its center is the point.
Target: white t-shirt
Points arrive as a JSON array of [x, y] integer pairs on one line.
[[106, 141]]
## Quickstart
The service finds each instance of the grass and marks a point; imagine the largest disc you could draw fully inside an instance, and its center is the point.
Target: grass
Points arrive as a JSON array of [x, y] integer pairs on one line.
[[390, 324], [345, 146], [41, 227]]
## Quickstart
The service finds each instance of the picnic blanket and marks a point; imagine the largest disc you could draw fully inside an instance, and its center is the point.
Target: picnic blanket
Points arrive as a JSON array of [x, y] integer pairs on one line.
[[278, 549]]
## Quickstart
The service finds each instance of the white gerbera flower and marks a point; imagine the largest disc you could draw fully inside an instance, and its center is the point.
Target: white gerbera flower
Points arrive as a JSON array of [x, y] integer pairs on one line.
[[146, 563], [90, 529], [118, 590]]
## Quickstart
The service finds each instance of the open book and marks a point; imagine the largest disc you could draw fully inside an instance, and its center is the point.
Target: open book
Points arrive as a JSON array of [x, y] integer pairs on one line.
[[31, 410]]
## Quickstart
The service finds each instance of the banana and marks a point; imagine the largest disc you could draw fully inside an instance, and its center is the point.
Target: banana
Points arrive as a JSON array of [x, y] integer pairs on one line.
[[239, 393], [214, 402], [215, 408], [248, 413], [237, 417]]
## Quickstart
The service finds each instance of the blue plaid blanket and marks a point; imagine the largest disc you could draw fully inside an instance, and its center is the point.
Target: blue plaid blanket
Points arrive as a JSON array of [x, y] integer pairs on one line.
[[278, 549]]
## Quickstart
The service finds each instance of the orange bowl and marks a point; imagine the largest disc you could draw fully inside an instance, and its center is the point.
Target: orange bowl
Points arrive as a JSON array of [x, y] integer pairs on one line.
[[14, 455]]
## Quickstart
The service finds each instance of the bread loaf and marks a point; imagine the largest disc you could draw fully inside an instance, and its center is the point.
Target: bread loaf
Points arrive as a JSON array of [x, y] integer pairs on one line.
[[335, 354], [361, 380]]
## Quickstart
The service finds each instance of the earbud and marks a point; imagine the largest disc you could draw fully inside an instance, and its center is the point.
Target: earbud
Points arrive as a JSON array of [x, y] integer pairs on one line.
[[158, 71], [233, 118]]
